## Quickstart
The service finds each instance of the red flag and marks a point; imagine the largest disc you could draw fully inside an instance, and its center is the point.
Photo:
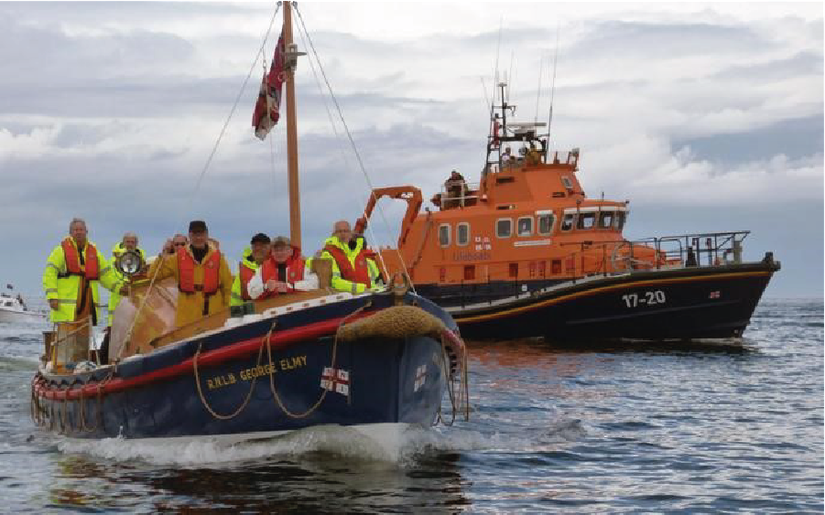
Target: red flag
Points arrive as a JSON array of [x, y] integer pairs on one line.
[[267, 108]]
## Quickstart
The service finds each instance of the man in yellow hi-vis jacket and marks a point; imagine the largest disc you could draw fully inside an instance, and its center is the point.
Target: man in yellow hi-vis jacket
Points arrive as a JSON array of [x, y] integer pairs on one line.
[[353, 267], [70, 281], [129, 242], [252, 258], [72, 272]]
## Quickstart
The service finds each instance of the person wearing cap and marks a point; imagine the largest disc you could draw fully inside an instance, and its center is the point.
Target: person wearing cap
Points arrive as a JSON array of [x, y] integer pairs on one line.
[[203, 276], [353, 268], [284, 272], [251, 260]]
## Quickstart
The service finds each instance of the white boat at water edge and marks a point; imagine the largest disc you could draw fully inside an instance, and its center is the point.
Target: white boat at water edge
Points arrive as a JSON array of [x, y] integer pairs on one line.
[[13, 309]]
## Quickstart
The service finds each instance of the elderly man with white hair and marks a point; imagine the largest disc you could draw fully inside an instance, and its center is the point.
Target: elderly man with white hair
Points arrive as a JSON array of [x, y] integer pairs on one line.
[[73, 270], [129, 242]]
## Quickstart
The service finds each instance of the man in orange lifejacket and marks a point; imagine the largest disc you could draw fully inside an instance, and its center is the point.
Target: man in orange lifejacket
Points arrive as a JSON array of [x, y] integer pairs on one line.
[[70, 283], [253, 257], [283, 272], [71, 275], [354, 269], [203, 276]]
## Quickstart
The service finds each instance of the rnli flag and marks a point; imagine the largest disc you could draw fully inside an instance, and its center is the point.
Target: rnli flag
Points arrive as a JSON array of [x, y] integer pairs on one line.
[[268, 106]]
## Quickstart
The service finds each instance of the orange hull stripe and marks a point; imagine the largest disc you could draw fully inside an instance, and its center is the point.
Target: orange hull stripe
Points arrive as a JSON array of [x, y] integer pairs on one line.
[[576, 295]]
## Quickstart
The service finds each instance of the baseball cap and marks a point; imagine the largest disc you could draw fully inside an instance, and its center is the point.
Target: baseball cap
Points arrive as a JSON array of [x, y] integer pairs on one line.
[[260, 238], [197, 226]]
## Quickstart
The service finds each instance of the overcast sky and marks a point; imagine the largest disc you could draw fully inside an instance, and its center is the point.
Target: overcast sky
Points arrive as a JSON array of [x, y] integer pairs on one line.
[[708, 117]]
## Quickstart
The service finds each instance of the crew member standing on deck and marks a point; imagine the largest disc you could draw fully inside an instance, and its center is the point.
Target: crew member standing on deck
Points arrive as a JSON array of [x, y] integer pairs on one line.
[[129, 242], [251, 260], [352, 270], [70, 282], [204, 279]]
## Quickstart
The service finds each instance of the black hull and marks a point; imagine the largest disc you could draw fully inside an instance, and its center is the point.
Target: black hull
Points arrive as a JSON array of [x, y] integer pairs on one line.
[[678, 304]]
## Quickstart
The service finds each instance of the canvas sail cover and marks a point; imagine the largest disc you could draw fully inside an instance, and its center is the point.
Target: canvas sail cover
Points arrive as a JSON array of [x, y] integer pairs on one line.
[[268, 106], [155, 319]]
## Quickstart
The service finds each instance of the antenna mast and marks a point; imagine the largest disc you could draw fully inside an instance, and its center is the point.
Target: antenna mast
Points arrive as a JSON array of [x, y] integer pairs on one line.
[[552, 92]]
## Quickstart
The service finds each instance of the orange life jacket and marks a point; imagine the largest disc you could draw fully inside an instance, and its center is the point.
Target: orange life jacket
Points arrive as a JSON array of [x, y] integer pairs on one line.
[[90, 269], [211, 272], [246, 274], [294, 270], [357, 272]]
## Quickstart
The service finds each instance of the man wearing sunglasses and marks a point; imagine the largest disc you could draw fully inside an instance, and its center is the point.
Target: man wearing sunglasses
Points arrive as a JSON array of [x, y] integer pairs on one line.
[[203, 276]]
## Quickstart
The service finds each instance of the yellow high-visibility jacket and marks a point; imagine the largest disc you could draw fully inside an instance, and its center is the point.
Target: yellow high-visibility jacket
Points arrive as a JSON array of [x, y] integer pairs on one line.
[[248, 262], [341, 284], [65, 288], [190, 305], [114, 297]]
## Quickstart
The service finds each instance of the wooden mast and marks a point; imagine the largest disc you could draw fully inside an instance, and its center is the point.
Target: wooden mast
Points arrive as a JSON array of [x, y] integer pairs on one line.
[[291, 131]]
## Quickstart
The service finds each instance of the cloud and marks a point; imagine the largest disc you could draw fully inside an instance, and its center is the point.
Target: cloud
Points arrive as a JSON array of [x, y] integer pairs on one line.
[[110, 111]]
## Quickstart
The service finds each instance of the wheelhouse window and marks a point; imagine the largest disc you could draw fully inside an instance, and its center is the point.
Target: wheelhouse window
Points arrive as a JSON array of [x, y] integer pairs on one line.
[[606, 219], [586, 221], [621, 216], [546, 223], [444, 235], [567, 182], [504, 227], [525, 226], [462, 234], [567, 221]]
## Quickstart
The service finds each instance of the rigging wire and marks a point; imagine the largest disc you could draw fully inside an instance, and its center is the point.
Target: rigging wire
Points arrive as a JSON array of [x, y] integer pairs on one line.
[[487, 102], [338, 139], [206, 166], [352, 143], [538, 90], [232, 111], [553, 87]]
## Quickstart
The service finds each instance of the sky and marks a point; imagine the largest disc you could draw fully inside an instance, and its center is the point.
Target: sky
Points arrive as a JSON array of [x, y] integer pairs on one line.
[[707, 117]]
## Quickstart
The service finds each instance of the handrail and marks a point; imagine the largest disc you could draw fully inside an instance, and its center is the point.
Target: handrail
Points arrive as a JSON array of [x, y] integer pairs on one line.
[[686, 250]]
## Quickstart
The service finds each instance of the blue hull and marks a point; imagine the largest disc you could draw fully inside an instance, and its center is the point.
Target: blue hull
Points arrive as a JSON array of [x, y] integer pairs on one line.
[[156, 396]]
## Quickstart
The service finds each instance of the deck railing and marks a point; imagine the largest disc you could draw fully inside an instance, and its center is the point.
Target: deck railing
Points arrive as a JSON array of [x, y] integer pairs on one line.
[[616, 257]]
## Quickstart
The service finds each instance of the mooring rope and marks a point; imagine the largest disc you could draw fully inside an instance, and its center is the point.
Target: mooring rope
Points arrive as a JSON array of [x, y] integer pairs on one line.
[[333, 360]]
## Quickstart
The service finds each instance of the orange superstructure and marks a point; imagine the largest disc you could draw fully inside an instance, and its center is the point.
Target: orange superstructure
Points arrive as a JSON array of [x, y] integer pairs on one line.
[[527, 220]]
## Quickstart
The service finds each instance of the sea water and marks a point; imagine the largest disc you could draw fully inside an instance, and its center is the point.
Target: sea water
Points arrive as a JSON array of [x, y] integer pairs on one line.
[[584, 429]]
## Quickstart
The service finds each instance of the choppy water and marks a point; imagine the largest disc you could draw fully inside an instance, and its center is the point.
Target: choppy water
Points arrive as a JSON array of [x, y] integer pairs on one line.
[[553, 430]]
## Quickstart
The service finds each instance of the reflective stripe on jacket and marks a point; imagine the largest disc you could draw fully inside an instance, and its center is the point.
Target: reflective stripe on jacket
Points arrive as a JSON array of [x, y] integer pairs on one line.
[[60, 284], [352, 271], [246, 270], [90, 267], [114, 297]]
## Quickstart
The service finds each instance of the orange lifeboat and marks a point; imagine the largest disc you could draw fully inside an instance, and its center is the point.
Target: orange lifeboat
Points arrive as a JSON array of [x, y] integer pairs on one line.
[[524, 252]]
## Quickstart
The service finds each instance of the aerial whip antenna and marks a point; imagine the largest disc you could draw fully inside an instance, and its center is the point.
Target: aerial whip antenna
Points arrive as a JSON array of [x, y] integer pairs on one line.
[[538, 90], [552, 90]]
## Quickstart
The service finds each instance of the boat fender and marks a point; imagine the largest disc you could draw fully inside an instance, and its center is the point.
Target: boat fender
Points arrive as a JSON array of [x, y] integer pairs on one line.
[[393, 322]]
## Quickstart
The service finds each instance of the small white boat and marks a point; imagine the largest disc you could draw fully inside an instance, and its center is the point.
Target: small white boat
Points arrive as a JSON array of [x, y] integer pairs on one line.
[[14, 309]]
